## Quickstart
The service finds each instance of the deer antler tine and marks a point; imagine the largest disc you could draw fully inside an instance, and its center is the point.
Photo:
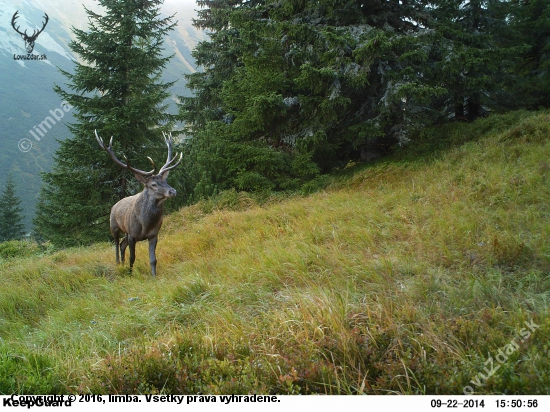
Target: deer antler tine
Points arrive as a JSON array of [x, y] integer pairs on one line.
[[99, 140], [168, 142], [44, 25], [167, 168], [163, 168], [169, 159], [175, 157], [15, 16], [139, 172], [154, 165], [178, 162]]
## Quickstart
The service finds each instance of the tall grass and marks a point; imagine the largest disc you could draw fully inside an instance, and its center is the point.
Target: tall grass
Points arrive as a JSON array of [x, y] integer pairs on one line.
[[400, 277]]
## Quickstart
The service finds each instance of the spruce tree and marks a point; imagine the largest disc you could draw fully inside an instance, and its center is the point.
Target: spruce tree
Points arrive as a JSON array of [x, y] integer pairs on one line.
[[530, 20], [117, 91], [11, 222], [472, 57], [293, 88]]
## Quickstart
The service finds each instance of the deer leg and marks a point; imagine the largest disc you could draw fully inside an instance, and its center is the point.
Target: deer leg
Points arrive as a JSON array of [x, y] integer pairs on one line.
[[123, 245], [152, 255], [132, 244], [116, 235]]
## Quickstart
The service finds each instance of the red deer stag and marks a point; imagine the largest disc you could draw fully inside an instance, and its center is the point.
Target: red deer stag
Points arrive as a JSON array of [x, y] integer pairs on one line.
[[140, 216]]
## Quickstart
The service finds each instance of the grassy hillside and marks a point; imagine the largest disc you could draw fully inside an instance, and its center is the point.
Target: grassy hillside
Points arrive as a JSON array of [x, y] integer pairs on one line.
[[406, 276]]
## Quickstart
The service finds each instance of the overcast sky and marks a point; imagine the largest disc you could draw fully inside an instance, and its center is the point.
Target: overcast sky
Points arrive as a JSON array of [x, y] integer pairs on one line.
[[176, 2]]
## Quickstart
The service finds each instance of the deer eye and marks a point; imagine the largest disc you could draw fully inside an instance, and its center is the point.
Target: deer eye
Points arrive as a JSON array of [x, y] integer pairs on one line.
[[154, 184]]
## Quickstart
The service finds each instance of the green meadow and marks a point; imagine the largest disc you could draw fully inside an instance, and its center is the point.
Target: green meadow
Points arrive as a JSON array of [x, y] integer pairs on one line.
[[426, 272]]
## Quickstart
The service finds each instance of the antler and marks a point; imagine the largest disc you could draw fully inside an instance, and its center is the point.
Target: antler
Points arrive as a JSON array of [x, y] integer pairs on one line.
[[118, 162], [35, 32], [169, 158], [15, 16]]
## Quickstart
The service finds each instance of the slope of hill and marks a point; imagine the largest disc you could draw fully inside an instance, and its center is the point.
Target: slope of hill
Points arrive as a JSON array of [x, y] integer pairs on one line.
[[26, 94], [405, 276]]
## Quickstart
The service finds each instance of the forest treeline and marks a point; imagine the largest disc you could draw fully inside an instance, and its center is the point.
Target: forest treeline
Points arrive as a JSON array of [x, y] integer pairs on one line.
[[288, 90]]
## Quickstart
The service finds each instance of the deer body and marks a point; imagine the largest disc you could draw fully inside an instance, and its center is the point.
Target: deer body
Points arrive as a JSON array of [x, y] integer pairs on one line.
[[140, 216]]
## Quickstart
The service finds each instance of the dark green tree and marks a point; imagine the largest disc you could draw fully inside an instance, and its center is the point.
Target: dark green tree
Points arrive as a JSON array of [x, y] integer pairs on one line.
[[473, 56], [207, 152], [294, 88], [11, 222], [530, 20], [117, 91]]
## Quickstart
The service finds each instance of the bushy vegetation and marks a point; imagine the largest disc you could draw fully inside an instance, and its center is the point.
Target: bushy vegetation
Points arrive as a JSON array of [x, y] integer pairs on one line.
[[292, 89], [403, 276], [19, 248]]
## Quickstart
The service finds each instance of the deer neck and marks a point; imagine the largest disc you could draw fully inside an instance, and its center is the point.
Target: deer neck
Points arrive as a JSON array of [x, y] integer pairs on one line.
[[151, 207]]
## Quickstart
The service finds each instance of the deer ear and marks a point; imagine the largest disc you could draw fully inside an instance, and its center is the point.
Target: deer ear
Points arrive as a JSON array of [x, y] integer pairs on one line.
[[165, 175], [140, 178]]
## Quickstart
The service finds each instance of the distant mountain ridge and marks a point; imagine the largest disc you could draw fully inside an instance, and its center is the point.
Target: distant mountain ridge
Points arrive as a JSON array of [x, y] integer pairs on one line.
[[32, 116]]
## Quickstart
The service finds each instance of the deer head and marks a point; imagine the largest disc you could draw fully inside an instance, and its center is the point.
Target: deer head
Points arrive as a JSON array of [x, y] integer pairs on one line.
[[29, 40]]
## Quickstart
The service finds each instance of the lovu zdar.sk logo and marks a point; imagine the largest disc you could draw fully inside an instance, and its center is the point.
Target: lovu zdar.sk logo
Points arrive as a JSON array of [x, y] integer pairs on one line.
[[29, 39]]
